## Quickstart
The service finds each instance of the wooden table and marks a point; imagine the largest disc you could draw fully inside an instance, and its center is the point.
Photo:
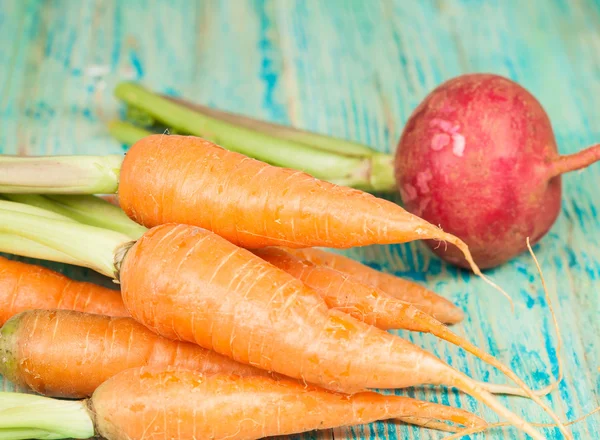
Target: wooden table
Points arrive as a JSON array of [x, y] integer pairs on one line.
[[354, 69]]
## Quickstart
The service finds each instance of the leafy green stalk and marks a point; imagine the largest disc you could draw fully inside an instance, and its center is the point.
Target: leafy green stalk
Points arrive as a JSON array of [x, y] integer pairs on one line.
[[28, 416], [83, 245], [325, 164], [60, 174]]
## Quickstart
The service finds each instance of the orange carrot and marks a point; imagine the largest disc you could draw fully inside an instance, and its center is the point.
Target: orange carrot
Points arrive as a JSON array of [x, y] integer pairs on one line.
[[227, 407], [63, 353], [405, 290], [397, 287], [176, 404], [27, 286], [343, 292], [189, 180]]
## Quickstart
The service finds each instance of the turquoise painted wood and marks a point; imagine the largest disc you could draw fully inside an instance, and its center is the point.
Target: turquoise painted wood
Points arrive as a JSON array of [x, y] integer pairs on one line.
[[353, 69]]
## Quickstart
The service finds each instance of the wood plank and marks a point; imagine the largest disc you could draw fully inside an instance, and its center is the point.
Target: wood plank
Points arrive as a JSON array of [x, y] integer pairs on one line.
[[352, 69]]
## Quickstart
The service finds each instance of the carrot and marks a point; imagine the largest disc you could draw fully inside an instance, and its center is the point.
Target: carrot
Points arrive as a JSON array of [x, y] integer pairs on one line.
[[54, 291], [184, 282], [171, 404], [397, 287], [227, 194], [27, 286], [188, 180], [362, 301], [319, 271], [374, 307], [63, 353]]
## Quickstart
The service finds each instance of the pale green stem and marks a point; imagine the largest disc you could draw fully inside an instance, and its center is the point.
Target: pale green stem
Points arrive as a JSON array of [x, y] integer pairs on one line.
[[17, 245], [60, 174], [86, 209], [95, 211], [26, 416], [38, 201], [33, 208], [314, 140], [127, 133], [322, 164], [86, 246]]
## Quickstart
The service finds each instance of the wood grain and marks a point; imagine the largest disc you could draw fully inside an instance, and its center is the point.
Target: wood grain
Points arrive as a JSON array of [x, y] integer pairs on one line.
[[353, 69]]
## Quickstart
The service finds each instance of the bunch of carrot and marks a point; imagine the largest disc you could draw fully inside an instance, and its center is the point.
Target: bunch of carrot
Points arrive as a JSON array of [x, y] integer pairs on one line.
[[226, 311]]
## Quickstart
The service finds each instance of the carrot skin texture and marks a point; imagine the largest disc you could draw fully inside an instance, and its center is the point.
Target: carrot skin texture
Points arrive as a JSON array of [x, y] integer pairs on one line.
[[202, 184], [362, 301], [63, 353], [26, 286], [397, 287], [176, 404]]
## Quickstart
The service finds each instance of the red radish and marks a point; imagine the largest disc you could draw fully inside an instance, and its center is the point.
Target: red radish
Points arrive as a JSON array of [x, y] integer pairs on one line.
[[478, 158]]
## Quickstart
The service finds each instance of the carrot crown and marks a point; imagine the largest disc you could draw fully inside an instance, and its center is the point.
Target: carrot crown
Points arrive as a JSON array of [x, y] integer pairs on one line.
[[25, 416]]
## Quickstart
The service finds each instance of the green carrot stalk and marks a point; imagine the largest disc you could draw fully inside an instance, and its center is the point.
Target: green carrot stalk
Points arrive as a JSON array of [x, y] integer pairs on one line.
[[372, 173], [18, 245], [127, 133], [61, 239], [60, 174], [26, 416], [86, 209], [314, 140]]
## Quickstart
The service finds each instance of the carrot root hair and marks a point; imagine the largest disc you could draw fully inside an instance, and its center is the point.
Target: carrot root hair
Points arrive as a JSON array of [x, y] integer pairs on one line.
[[559, 423], [477, 429], [505, 389], [462, 246], [442, 332], [465, 384]]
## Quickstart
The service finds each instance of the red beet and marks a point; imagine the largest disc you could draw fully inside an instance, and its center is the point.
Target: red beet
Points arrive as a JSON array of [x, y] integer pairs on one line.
[[478, 157]]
